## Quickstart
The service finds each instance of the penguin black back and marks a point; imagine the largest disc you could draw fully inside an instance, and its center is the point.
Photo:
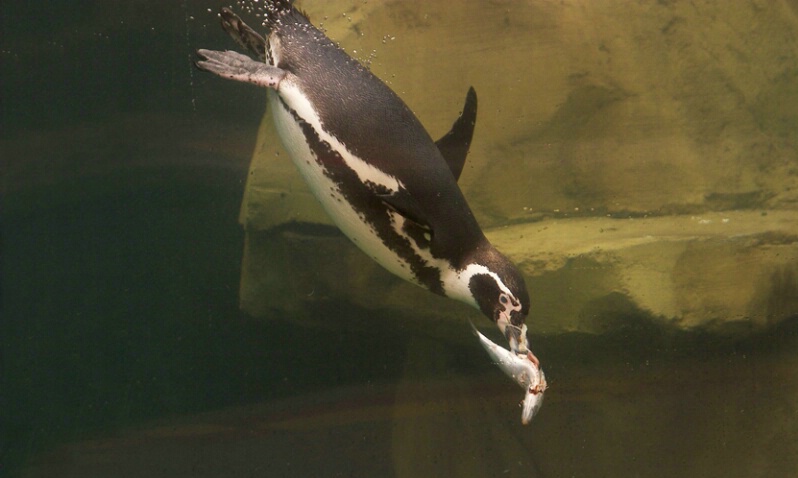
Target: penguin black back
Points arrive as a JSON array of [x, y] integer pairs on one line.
[[366, 115]]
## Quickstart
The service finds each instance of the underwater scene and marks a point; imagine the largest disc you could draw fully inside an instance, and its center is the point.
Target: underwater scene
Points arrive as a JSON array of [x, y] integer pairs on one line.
[[177, 302]]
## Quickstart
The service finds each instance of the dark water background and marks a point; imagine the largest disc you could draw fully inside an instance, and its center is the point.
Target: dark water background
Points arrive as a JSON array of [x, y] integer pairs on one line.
[[123, 170], [121, 248]]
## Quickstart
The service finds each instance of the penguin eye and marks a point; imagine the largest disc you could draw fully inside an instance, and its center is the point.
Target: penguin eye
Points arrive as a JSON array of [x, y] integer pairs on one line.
[[503, 299]]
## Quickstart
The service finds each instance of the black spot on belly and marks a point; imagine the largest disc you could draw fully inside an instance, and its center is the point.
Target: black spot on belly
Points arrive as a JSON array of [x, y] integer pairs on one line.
[[364, 198]]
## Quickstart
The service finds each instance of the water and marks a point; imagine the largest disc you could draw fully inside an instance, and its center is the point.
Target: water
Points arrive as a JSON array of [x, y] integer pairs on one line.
[[125, 351]]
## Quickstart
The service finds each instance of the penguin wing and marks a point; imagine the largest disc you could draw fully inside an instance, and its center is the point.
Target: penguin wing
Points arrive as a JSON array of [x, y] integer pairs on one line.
[[402, 202], [454, 144]]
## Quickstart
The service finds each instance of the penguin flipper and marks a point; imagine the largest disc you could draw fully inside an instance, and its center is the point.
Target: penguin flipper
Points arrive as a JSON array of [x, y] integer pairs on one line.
[[403, 203], [238, 67], [242, 33], [454, 144]]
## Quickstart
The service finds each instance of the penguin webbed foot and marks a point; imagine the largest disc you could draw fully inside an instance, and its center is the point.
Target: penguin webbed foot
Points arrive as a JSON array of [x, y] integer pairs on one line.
[[235, 66]]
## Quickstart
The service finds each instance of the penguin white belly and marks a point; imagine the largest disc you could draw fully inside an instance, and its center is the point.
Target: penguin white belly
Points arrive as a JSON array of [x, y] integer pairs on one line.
[[326, 191]]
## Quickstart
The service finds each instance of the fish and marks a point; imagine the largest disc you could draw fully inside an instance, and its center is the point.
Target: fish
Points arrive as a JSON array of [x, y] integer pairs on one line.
[[524, 369]]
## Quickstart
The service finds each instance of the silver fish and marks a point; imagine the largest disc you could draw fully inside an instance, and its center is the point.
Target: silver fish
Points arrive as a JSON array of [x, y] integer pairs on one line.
[[524, 369]]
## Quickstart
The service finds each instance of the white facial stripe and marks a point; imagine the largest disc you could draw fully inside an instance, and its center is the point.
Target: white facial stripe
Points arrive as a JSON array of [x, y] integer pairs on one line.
[[457, 285], [296, 99]]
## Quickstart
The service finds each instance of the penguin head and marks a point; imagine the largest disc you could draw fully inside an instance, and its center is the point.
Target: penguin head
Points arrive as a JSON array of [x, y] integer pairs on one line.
[[500, 292]]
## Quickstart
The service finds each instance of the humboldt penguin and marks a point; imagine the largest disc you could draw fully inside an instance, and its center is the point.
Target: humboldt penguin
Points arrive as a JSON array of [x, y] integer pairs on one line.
[[379, 175]]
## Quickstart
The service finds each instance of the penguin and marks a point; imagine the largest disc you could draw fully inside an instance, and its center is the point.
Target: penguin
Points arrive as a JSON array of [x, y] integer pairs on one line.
[[374, 168]]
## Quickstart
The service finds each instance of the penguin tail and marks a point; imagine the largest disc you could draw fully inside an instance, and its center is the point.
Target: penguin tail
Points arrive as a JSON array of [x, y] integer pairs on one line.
[[282, 5], [248, 38], [275, 9], [242, 33]]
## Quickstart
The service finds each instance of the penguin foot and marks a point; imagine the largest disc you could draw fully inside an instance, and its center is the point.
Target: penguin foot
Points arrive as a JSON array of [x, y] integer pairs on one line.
[[235, 66]]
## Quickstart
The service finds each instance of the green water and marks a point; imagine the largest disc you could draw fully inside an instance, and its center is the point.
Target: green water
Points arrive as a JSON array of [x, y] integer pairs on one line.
[[120, 312], [124, 353]]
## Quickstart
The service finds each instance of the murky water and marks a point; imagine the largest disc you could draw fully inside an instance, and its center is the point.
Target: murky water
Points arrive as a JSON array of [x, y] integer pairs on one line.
[[125, 352]]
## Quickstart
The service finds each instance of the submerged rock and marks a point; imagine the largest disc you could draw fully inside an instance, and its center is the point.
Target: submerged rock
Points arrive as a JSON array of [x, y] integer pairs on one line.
[[726, 273]]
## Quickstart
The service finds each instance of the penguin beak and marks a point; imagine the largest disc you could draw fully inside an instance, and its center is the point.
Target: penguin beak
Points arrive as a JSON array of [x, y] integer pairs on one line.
[[515, 335]]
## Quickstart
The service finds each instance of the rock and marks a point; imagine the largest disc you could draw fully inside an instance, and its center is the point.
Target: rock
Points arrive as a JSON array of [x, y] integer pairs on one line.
[[677, 116], [720, 272], [666, 107]]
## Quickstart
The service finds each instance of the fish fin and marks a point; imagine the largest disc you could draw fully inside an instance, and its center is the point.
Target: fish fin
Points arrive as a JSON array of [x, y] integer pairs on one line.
[[454, 144]]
